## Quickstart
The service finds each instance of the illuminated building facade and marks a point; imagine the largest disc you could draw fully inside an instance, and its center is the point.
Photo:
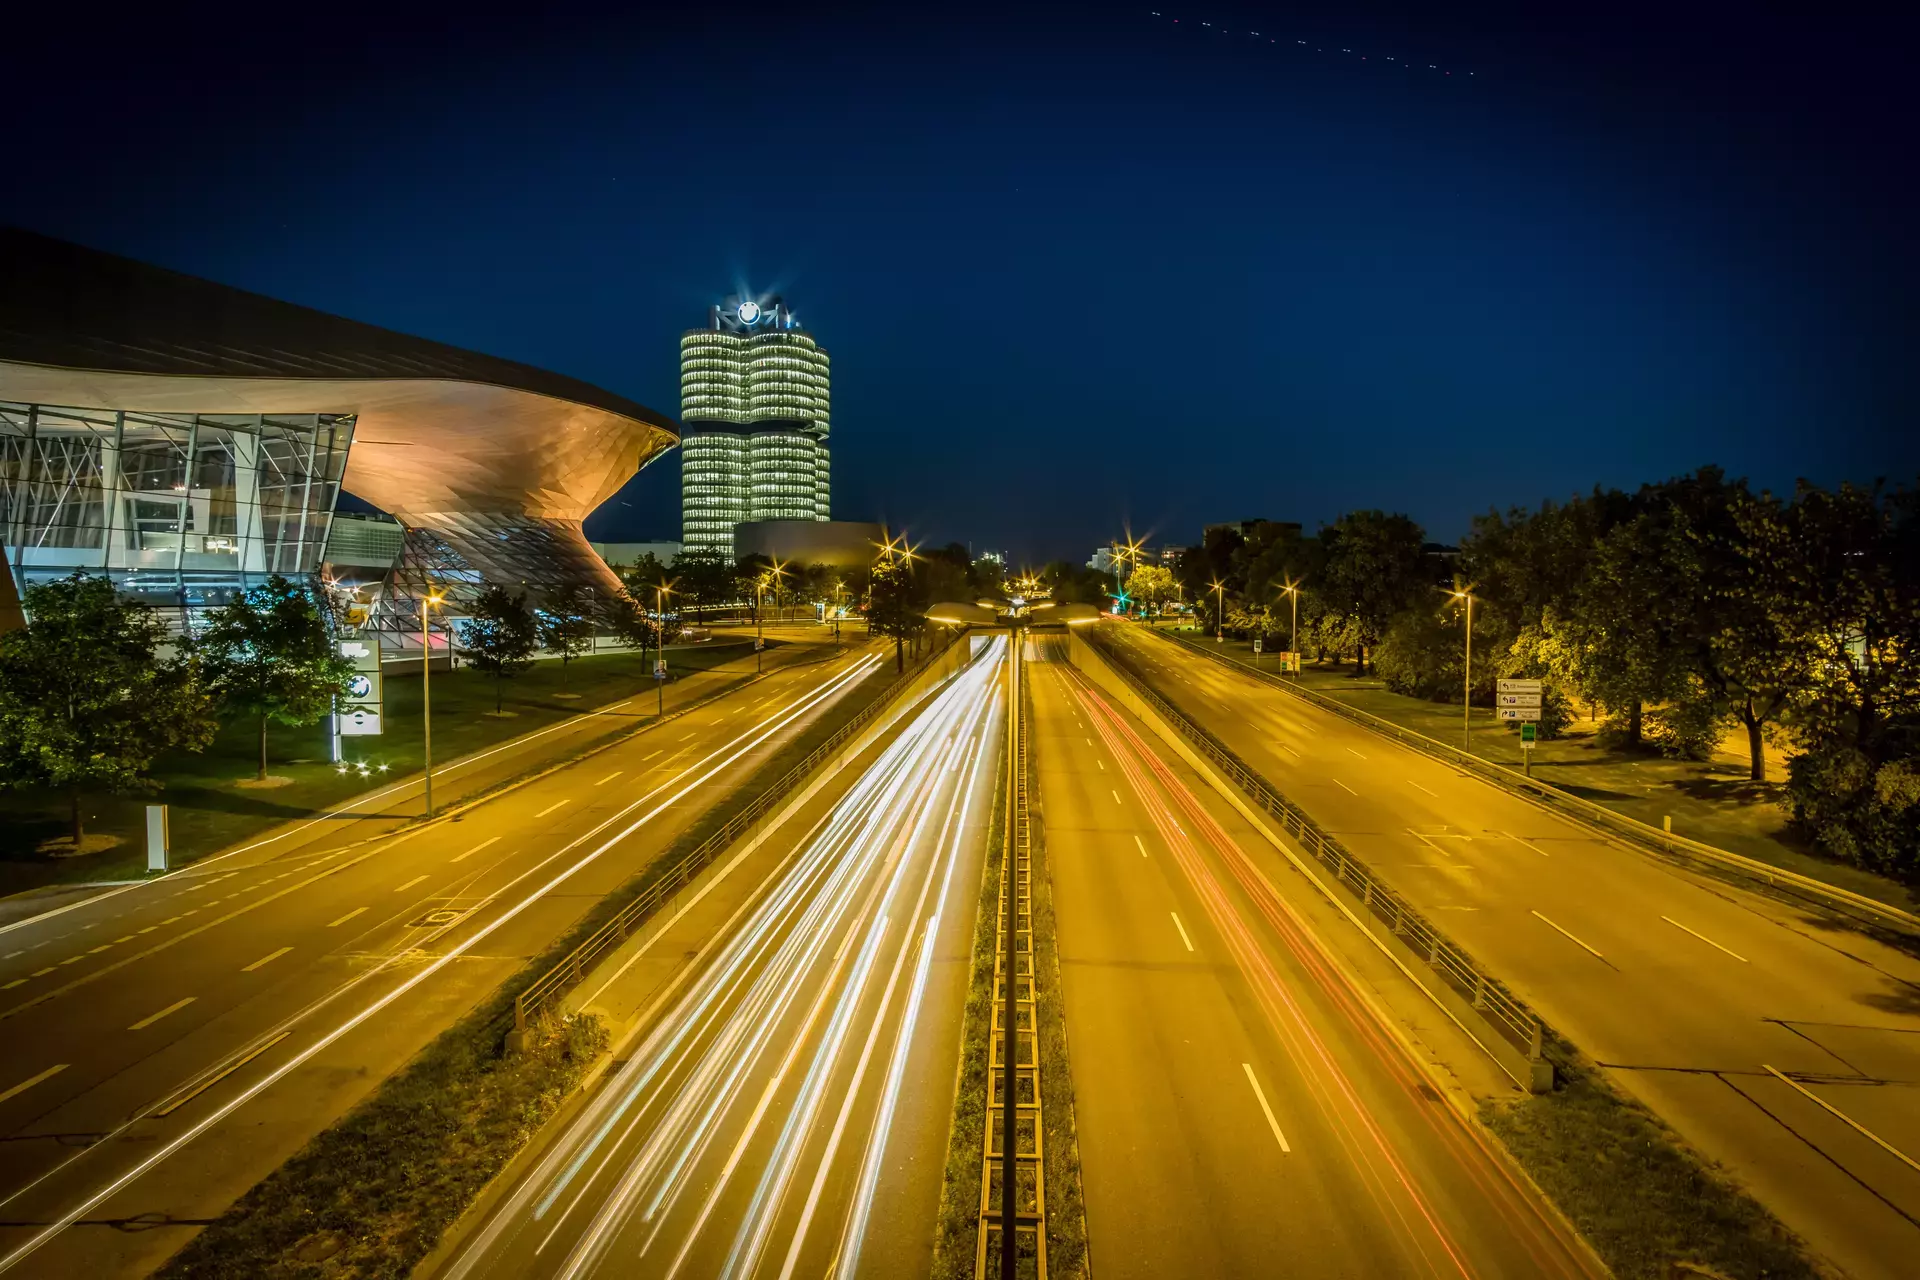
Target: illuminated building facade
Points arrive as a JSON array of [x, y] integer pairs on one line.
[[754, 392], [187, 440]]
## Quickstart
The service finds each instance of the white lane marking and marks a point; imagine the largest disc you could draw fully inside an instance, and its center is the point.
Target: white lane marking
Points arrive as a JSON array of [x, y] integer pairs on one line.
[[41, 973], [409, 884], [266, 960], [1182, 928], [11, 955], [1260, 1094], [343, 919], [1289, 750], [1089, 743], [168, 1108], [28, 1083], [549, 809], [644, 759], [1344, 787], [1417, 787], [1846, 1119], [152, 1018], [1517, 840], [1356, 753], [1551, 925], [609, 778], [1143, 849], [469, 853], [1102, 764], [1115, 795], [689, 738], [17, 982], [1703, 937]]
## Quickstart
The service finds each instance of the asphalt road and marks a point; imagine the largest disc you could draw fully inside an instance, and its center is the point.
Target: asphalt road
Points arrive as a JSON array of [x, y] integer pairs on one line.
[[1240, 1110], [1758, 1030], [781, 1105], [170, 1045]]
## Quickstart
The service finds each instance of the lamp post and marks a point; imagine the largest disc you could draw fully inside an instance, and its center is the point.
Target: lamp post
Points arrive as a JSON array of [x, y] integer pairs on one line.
[[426, 696], [1293, 627], [1219, 611], [1466, 693], [660, 648]]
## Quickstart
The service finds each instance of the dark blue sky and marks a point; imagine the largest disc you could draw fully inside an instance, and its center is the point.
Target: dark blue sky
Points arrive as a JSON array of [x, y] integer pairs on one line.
[[1077, 265]]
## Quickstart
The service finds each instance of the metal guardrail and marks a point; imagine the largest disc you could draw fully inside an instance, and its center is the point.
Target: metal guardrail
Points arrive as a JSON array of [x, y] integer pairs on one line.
[[565, 975], [1514, 1022], [1587, 812]]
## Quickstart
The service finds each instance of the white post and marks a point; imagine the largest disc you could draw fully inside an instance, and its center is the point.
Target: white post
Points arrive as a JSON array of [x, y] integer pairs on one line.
[[157, 837]]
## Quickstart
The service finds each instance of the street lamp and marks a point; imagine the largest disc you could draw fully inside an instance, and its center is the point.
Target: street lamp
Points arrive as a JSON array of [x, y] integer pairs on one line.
[[1293, 628], [759, 590], [1466, 693], [1219, 611], [426, 694], [660, 593]]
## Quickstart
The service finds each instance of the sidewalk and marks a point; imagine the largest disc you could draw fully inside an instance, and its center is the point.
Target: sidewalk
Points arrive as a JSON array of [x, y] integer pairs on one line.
[[1711, 801]]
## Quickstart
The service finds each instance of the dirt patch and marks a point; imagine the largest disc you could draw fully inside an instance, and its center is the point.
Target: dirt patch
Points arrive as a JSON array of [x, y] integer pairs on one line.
[[267, 783], [500, 715], [63, 846]]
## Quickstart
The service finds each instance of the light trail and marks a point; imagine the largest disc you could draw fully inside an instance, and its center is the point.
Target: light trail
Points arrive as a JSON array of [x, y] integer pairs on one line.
[[1362, 1136], [715, 761], [703, 1140]]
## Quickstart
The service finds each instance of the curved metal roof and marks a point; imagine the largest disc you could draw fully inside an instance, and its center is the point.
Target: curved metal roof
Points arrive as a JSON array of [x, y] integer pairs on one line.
[[66, 305]]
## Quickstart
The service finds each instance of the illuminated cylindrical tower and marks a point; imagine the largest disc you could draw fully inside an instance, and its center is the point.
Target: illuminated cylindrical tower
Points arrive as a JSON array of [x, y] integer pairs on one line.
[[754, 406]]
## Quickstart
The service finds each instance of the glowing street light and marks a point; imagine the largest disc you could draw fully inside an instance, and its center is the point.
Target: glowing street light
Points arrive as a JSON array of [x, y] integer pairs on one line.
[[760, 585], [661, 591], [1466, 693], [1219, 611], [1293, 628]]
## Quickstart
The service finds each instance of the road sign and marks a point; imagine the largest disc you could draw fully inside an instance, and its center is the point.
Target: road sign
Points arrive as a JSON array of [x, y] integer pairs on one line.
[[360, 721], [1527, 734], [1518, 699], [660, 670], [1520, 686], [758, 644], [359, 712], [1256, 646], [1520, 713]]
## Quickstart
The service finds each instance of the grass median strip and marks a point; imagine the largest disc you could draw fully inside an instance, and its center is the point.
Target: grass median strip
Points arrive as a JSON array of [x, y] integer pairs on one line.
[[1641, 1197]]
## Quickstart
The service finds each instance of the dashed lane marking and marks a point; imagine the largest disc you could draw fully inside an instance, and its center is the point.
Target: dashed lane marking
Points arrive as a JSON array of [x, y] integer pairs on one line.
[[343, 919], [1704, 938], [549, 809], [152, 1018], [1356, 753], [266, 960], [1417, 787], [1557, 929], [609, 778], [1143, 845], [1115, 795], [31, 1081], [1266, 1110], [409, 884], [469, 853], [1182, 928], [1344, 787]]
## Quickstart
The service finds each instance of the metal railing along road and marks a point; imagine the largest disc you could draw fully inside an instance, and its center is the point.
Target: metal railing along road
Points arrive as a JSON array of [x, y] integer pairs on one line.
[[1514, 1022], [562, 977], [1586, 812]]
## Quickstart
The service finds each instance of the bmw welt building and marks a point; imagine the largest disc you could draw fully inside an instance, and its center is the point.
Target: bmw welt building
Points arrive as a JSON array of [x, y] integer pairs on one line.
[[188, 439]]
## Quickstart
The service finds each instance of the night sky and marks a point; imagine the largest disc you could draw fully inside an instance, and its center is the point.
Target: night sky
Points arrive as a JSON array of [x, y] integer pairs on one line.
[[1077, 266]]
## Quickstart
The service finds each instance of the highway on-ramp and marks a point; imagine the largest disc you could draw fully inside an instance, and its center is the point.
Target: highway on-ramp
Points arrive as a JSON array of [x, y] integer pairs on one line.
[[1776, 1040]]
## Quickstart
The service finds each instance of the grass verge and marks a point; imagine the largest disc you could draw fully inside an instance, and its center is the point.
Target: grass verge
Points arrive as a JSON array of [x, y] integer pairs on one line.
[[372, 1194], [1641, 1197], [1067, 1256], [957, 1228]]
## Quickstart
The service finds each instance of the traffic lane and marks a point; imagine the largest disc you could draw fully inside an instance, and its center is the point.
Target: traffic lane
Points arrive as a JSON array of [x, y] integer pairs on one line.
[[1502, 862], [90, 1039], [782, 998], [366, 817], [1382, 1178], [138, 1148], [1745, 983]]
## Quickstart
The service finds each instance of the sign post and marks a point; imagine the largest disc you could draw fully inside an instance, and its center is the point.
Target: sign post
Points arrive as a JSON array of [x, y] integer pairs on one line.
[[359, 713], [1256, 653], [1520, 700], [157, 838]]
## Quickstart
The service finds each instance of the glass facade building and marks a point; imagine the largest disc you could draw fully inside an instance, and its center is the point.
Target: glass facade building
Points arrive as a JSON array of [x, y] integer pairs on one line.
[[180, 510], [755, 414]]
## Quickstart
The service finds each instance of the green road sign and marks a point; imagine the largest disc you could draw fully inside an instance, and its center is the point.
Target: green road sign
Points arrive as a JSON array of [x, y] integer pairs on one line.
[[1526, 735]]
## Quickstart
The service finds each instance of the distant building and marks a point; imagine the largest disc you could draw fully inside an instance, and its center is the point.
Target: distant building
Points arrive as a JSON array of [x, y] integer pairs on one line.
[[754, 394], [850, 544], [1170, 556], [1249, 528], [994, 557]]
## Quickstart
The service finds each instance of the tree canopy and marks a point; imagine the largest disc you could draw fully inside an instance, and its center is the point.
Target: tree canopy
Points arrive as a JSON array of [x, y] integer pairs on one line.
[[269, 652]]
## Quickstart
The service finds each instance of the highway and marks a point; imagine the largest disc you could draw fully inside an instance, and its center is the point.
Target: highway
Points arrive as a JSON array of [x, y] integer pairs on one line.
[[175, 1042], [1779, 1043], [781, 1104], [1238, 1104]]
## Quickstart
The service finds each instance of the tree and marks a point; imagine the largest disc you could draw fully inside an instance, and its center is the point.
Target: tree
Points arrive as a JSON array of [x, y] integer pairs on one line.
[[87, 698], [565, 626], [270, 653], [894, 607], [1376, 565], [706, 579], [498, 636], [1151, 585]]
